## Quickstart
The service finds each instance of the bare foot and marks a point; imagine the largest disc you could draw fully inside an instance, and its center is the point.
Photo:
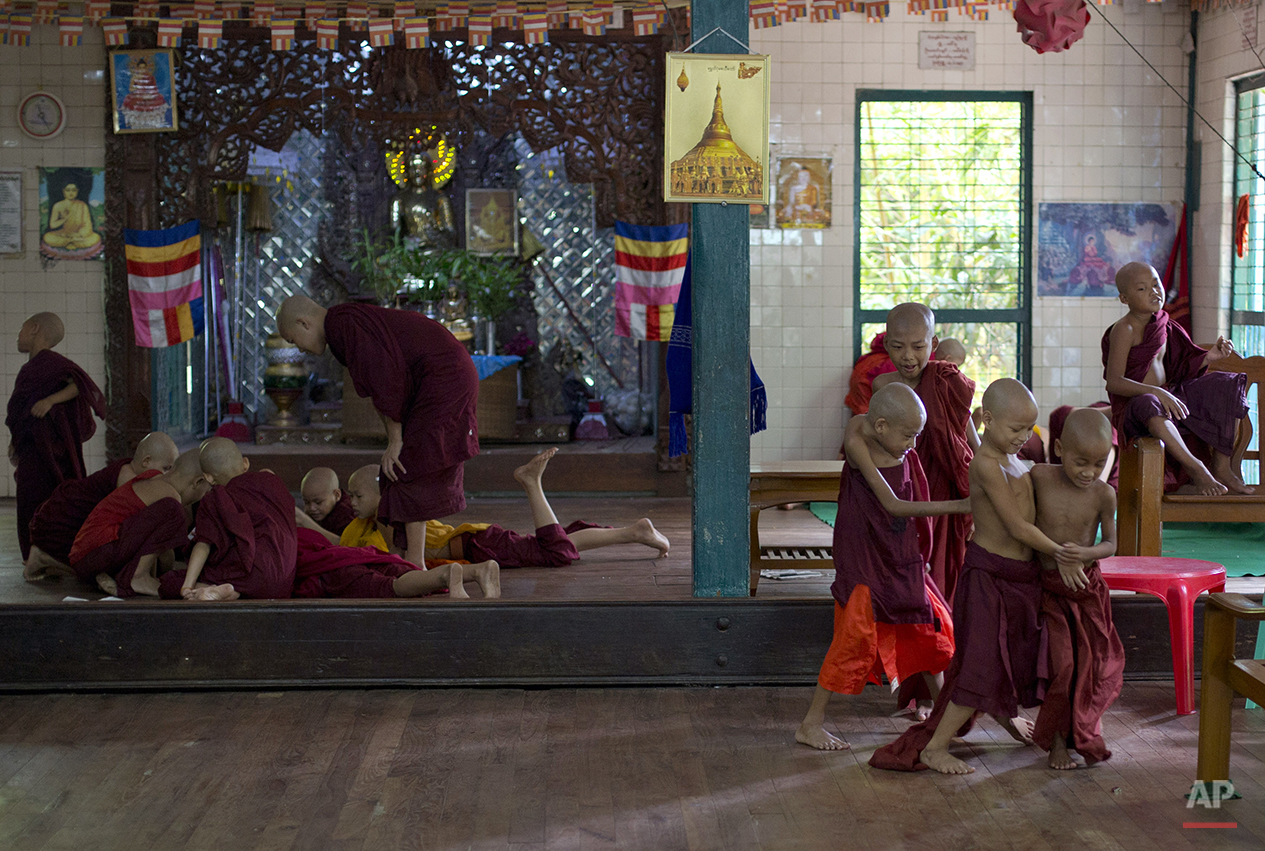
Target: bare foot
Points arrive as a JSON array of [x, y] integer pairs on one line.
[[107, 584], [39, 564], [213, 593], [487, 574], [535, 468], [145, 579], [456, 583], [817, 737], [1019, 728], [1205, 484], [923, 710], [1060, 759], [647, 534], [1225, 472], [943, 762]]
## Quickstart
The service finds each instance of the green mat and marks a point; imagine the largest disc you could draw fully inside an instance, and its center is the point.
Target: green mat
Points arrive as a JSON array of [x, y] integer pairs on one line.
[[1238, 546]]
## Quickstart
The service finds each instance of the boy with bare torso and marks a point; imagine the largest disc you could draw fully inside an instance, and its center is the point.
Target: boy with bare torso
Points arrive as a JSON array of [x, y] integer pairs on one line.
[[1085, 655]]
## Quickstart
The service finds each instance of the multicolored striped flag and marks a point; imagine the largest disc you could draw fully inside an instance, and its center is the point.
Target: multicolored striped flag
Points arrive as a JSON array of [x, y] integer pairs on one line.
[[45, 11], [594, 23], [645, 21], [327, 34], [357, 14], [536, 28], [557, 11], [203, 9], [480, 29], [20, 30], [282, 35], [416, 33], [95, 10], [262, 12], [312, 13], [169, 32], [115, 30], [70, 31], [506, 14], [381, 32], [146, 9], [164, 282], [764, 14], [649, 267], [209, 34]]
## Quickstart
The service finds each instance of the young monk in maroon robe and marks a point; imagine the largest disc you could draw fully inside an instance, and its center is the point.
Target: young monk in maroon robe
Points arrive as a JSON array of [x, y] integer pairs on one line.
[[59, 519], [889, 617], [137, 527], [1086, 656], [327, 570], [995, 618], [324, 501], [424, 386], [869, 366], [49, 419], [244, 540], [1158, 384]]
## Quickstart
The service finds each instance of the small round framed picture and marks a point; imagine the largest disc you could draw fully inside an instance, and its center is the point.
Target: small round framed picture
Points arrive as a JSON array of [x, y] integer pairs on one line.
[[41, 115]]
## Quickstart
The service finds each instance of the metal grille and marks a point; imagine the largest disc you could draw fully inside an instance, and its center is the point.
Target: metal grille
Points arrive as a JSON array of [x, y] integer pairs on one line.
[[574, 279], [1247, 293], [943, 190]]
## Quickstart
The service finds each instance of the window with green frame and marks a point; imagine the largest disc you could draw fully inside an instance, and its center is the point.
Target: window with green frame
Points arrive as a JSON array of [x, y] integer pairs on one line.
[[1247, 284], [943, 216]]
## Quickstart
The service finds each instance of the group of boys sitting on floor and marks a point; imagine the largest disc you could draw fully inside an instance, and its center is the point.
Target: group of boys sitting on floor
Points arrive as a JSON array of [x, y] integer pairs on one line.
[[936, 584]]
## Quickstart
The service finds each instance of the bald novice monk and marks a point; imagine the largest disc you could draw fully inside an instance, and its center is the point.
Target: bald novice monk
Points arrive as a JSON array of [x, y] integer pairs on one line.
[[49, 419], [951, 350], [59, 519], [1158, 384], [889, 617], [137, 526], [324, 501], [424, 386], [1085, 656], [244, 540], [995, 617]]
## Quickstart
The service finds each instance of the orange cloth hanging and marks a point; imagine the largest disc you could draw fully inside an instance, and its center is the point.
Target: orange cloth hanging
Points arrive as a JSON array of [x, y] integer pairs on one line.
[[1241, 214]]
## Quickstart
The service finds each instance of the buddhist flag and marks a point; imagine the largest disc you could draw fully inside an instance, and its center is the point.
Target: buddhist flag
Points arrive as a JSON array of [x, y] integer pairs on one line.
[[209, 34], [19, 30], [95, 10], [416, 33], [357, 12], [459, 12], [45, 11], [145, 10], [480, 27], [327, 35], [115, 30], [70, 31], [402, 11], [169, 32], [825, 10], [594, 23], [381, 32], [230, 11], [649, 267], [506, 14], [262, 12], [443, 21], [763, 14], [164, 282], [557, 11], [312, 13], [645, 21], [536, 28], [203, 9], [4, 26], [282, 35], [797, 9]]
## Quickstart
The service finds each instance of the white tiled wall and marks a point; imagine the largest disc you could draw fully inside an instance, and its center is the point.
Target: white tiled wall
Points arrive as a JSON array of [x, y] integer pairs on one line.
[[1106, 129], [71, 289]]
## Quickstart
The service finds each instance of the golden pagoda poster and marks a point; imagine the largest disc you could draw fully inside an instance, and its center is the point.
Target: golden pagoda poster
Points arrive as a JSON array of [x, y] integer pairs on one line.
[[717, 129]]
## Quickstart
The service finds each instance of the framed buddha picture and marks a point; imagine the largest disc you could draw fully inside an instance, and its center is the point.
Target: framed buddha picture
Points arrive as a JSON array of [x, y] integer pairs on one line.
[[803, 192], [491, 221], [716, 146], [143, 89]]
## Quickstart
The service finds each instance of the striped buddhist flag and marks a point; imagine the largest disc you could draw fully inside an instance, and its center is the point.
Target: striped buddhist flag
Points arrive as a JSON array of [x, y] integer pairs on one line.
[[262, 12], [825, 10], [180, 11], [69, 31], [230, 11], [443, 20], [557, 11], [764, 14], [209, 34], [649, 268], [4, 26], [115, 30], [416, 33], [312, 13], [169, 32], [204, 10], [45, 11], [480, 27], [797, 9], [95, 10], [145, 9], [282, 35], [459, 12], [594, 23], [164, 282], [327, 34], [506, 14], [357, 14], [646, 21], [19, 30], [940, 15], [381, 32], [536, 28]]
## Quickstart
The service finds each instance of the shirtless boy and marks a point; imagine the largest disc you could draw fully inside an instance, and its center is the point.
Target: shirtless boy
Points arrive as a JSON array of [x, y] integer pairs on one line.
[[1158, 386], [994, 668], [889, 617], [1086, 656]]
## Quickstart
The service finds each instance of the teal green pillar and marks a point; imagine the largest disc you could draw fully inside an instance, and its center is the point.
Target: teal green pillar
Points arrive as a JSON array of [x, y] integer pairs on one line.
[[721, 284]]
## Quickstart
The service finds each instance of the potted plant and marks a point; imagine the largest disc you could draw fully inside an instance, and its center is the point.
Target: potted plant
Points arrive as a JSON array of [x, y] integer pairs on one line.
[[491, 283], [381, 264]]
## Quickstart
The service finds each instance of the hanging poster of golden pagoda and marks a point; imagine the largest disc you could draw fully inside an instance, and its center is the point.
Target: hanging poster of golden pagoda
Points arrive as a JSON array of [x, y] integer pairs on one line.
[[717, 129]]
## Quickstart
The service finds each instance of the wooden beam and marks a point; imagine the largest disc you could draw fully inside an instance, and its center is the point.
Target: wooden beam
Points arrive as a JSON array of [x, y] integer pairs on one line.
[[721, 282]]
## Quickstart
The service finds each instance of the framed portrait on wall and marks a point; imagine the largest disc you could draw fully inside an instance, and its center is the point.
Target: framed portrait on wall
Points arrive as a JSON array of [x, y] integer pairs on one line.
[[72, 213], [1081, 246], [716, 146], [803, 192], [143, 89], [491, 221]]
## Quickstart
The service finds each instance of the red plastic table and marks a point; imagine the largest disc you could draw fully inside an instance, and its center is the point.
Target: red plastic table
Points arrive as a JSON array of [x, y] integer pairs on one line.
[[1176, 581]]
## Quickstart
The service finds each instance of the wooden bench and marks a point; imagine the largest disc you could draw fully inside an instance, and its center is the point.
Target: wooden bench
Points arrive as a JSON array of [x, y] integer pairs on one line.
[[1223, 677], [1143, 507], [782, 483]]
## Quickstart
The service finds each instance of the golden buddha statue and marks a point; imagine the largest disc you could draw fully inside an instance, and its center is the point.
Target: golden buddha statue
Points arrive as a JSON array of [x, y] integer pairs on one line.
[[420, 211]]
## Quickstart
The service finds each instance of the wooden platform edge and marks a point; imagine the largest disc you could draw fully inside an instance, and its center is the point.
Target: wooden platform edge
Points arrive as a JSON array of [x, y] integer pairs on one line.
[[357, 644]]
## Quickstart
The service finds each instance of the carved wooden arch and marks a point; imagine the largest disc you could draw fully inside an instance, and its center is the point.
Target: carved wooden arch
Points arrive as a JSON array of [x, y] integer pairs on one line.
[[600, 101]]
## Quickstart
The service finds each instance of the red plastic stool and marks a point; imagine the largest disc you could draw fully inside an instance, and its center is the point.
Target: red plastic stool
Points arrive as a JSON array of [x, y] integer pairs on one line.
[[1176, 581]]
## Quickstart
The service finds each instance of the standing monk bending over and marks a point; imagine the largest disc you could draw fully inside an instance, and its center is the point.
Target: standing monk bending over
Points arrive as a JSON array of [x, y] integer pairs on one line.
[[59, 519], [1158, 384], [49, 419], [424, 386]]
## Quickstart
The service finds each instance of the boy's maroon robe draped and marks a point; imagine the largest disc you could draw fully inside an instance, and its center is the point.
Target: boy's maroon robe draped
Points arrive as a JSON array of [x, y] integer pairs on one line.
[[326, 570], [249, 524], [339, 516], [419, 375], [58, 520], [49, 449], [1086, 664]]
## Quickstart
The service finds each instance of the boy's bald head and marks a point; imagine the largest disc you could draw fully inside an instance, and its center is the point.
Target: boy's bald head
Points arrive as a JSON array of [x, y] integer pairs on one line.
[[1132, 272], [187, 477], [319, 481], [363, 492], [221, 460], [1086, 430], [366, 476], [951, 350], [50, 327], [1008, 397], [156, 451], [911, 316], [898, 404], [301, 321]]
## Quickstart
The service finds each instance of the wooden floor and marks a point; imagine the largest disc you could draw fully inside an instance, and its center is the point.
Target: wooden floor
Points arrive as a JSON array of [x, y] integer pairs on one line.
[[629, 769]]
